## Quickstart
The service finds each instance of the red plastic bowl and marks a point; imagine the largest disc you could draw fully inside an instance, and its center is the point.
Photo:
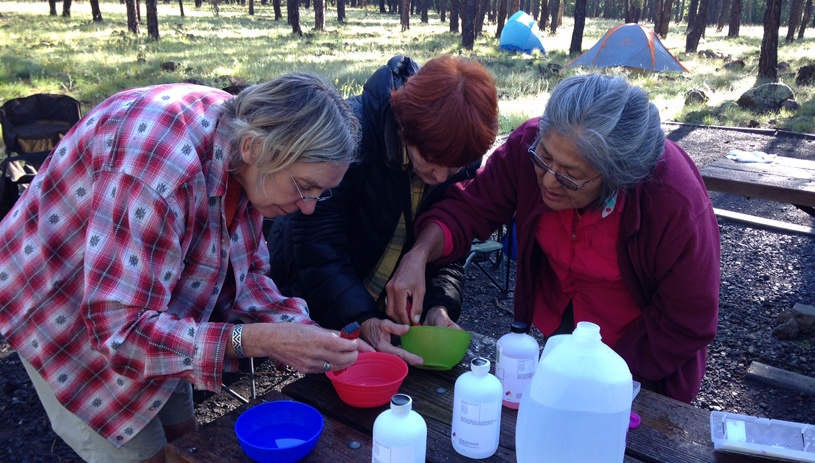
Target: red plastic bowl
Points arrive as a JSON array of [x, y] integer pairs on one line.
[[371, 381]]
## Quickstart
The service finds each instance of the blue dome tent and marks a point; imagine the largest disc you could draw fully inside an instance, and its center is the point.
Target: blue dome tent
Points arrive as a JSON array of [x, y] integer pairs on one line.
[[631, 46], [521, 34]]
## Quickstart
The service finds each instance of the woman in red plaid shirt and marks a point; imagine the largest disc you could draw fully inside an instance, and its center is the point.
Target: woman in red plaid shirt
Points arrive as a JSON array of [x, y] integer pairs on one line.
[[134, 261]]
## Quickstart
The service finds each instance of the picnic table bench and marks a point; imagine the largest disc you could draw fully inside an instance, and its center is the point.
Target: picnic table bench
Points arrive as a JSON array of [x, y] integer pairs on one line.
[[670, 431], [786, 180]]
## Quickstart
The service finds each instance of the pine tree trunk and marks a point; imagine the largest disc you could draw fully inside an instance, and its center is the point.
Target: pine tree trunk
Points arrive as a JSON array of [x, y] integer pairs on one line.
[[692, 10], [66, 8], [405, 18], [455, 8], [544, 17], [443, 10], [293, 7], [607, 8], [52, 7], [382, 7], [692, 42], [555, 4], [516, 6], [278, 12], [132, 19], [560, 13], [502, 17], [341, 11], [768, 61], [468, 28], [138, 11], [735, 19], [152, 18], [96, 13], [724, 15], [480, 13], [796, 9], [198, 3], [576, 47], [319, 15], [425, 19], [181, 7], [251, 7], [662, 31], [805, 22]]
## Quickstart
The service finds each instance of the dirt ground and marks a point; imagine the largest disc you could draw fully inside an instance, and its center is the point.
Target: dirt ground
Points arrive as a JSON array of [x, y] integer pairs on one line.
[[763, 273]]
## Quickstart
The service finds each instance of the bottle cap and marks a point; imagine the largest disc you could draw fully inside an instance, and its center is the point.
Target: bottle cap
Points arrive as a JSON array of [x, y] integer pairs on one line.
[[518, 327], [480, 366], [401, 403]]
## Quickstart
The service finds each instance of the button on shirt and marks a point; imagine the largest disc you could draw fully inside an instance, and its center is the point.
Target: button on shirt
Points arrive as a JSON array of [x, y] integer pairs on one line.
[[114, 261]]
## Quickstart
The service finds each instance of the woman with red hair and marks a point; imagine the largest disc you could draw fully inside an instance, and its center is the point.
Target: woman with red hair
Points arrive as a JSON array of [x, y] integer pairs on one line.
[[423, 129]]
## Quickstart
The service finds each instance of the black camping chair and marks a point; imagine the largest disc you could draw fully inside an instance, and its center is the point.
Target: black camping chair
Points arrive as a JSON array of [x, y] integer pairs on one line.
[[32, 126]]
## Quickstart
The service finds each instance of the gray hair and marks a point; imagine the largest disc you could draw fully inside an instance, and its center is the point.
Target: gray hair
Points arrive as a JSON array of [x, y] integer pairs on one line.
[[294, 117], [615, 128]]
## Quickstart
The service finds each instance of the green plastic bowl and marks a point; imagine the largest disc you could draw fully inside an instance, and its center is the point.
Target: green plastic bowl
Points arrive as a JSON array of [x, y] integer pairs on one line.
[[441, 348]]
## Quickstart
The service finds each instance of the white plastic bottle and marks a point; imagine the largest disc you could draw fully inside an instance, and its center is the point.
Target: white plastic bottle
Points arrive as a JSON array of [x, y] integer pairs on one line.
[[516, 357], [400, 434], [578, 406], [477, 411]]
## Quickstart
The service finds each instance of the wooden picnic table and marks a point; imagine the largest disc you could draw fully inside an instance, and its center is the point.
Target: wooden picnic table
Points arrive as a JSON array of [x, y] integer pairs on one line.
[[786, 180], [670, 431]]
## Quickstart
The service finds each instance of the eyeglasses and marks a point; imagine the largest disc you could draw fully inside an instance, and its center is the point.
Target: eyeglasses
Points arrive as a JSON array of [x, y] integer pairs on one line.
[[323, 197], [567, 183]]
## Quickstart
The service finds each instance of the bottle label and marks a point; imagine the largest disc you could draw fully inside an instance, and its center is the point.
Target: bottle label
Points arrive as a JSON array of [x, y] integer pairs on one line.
[[515, 375], [388, 454], [474, 427]]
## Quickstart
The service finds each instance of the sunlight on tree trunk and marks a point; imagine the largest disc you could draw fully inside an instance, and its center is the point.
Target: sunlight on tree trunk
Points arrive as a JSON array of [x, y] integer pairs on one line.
[[576, 47], [468, 29], [805, 22], [692, 42], [404, 18], [132, 19], [152, 18], [319, 15], [796, 10], [768, 61], [735, 19]]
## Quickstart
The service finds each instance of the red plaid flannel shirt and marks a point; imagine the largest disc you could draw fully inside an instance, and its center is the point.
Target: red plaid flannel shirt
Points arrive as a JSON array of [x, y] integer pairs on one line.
[[113, 263]]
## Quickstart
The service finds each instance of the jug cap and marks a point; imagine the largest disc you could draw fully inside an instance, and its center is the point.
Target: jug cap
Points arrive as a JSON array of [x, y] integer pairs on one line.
[[518, 327], [401, 403], [480, 366]]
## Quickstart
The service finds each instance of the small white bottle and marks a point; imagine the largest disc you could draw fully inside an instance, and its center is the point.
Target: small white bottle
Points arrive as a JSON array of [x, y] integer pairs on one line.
[[400, 434], [477, 411], [516, 356]]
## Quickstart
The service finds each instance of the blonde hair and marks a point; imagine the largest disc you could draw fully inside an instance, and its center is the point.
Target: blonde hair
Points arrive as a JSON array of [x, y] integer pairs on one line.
[[295, 117]]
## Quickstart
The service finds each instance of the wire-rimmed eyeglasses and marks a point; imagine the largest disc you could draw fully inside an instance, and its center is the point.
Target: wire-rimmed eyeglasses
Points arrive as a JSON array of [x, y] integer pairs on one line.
[[323, 197], [567, 182]]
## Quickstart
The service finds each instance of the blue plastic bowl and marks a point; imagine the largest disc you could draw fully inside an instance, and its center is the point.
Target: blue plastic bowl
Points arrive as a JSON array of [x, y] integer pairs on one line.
[[279, 432]]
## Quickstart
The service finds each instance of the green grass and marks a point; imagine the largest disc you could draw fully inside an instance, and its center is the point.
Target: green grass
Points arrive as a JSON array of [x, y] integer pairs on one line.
[[90, 62]]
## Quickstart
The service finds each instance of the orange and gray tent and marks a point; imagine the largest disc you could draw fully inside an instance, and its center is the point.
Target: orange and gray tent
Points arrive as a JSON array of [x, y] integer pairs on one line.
[[631, 46]]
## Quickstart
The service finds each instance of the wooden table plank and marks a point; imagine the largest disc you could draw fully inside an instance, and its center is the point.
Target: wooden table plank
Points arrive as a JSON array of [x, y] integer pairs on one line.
[[216, 442], [786, 180]]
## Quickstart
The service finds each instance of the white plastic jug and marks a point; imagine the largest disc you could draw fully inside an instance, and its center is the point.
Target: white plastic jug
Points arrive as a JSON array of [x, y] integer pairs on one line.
[[578, 405], [516, 357], [476, 411], [400, 434]]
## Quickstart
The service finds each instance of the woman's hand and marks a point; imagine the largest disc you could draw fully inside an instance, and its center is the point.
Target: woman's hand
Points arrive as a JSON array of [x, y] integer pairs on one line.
[[378, 333], [438, 316], [407, 283], [306, 348]]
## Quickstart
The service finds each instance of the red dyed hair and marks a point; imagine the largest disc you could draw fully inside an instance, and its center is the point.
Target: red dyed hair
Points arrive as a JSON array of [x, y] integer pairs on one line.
[[448, 110]]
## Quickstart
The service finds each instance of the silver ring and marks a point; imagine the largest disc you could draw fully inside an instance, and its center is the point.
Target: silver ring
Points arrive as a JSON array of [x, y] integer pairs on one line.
[[326, 366]]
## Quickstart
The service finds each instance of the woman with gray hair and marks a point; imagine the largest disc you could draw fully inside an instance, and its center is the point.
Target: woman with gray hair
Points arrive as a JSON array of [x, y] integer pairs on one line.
[[614, 226], [134, 266]]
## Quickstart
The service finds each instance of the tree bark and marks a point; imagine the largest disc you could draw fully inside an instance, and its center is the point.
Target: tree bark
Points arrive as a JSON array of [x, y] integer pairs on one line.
[[455, 8], [723, 15], [516, 6], [319, 15], [735, 19], [502, 17], [555, 4], [52, 7], [251, 7], [66, 8], [796, 9], [480, 13], [96, 13], [425, 19], [181, 7], [382, 8], [132, 19], [607, 8], [138, 10], [198, 3], [692, 42], [443, 10], [293, 7], [405, 18], [340, 11], [278, 12], [576, 47], [152, 18], [692, 10], [805, 22], [544, 16], [768, 61], [468, 28]]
